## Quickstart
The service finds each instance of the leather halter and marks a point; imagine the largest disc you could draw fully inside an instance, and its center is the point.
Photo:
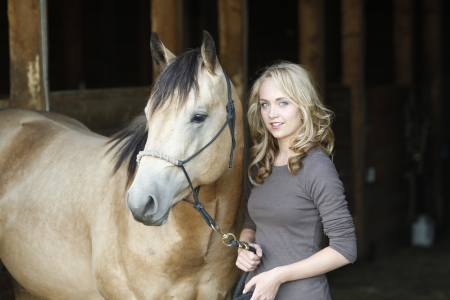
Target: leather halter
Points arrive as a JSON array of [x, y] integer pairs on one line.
[[231, 121]]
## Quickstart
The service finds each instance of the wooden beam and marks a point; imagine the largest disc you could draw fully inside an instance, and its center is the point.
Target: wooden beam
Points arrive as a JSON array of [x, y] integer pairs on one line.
[[432, 76], [26, 70], [403, 42], [167, 20], [99, 109], [232, 42], [311, 19], [353, 76]]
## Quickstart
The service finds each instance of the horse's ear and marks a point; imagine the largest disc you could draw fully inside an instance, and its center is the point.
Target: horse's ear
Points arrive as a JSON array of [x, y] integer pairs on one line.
[[161, 54], [209, 53]]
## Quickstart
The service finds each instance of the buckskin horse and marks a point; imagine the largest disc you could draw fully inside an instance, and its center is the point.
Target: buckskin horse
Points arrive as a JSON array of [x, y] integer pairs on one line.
[[87, 217]]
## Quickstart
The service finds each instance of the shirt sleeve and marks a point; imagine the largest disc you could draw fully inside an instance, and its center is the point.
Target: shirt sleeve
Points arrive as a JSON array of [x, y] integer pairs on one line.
[[327, 192], [248, 222]]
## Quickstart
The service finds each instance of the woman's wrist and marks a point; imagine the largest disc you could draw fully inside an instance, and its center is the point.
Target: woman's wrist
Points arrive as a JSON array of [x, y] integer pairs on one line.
[[279, 273]]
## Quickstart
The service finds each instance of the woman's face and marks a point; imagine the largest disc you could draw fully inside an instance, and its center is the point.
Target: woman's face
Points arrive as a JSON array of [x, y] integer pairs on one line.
[[281, 116]]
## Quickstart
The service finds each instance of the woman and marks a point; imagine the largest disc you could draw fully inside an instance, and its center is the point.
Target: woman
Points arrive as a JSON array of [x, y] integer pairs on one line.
[[297, 193]]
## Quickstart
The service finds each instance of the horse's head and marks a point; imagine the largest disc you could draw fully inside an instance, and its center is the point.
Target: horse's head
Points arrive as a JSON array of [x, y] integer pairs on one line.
[[186, 109]]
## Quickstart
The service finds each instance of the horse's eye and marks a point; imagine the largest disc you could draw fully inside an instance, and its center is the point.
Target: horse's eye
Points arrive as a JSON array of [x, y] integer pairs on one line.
[[198, 118]]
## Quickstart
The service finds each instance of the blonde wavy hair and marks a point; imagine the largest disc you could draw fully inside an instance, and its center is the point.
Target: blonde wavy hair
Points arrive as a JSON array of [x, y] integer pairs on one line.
[[296, 84]]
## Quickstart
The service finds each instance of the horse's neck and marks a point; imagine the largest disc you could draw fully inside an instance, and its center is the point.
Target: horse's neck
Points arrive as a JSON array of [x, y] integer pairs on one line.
[[222, 201]]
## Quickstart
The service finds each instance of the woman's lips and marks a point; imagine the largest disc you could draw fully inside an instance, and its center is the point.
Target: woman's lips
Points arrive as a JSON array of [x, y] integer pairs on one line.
[[276, 125]]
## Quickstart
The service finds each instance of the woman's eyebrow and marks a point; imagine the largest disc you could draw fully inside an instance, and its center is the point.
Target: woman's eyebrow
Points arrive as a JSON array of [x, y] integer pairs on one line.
[[278, 99], [281, 98]]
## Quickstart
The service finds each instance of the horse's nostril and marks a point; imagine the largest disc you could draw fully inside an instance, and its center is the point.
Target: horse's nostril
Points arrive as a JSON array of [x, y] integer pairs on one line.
[[150, 207]]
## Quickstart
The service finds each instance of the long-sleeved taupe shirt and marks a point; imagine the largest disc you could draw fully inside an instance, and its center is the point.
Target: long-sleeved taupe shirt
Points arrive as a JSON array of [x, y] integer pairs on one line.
[[289, 213]]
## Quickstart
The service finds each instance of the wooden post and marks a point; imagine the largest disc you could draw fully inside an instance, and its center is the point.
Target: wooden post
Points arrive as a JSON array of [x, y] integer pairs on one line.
[[403, 42], [353, 76], [432, 57], [233, 57], [26, 70], [167, 21], [232, 42], [311, 19]]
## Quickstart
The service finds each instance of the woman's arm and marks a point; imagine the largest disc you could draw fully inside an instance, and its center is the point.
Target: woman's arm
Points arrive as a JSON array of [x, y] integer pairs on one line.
[[267, 283], [247, 235], [247, 261]]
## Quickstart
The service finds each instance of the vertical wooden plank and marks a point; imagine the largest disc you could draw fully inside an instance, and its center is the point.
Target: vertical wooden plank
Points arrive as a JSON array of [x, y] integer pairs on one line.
[[353, 76], [433, 96], [403, 41], [26, 68], [167, 21], [311, 19], [233, 57], [232, 42]]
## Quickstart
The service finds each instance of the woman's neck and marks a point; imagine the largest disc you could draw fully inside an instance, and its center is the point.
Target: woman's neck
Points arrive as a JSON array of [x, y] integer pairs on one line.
[[283, 154]]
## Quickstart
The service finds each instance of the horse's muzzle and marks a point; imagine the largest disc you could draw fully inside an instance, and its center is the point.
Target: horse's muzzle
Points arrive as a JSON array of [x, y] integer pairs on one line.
[[148, 213]]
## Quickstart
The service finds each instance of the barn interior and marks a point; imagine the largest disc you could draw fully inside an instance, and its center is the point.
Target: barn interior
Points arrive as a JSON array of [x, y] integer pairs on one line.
[[380, 65]]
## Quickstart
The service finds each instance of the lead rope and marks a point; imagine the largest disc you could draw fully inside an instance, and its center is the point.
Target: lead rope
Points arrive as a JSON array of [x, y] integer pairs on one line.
[[234, 242], [241, 284]]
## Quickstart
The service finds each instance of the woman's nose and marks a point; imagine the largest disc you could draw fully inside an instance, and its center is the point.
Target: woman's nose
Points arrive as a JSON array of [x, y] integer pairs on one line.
[[273, 112]]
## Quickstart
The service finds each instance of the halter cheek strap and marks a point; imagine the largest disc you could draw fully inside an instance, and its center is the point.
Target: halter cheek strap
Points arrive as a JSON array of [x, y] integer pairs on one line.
[[231, 119]]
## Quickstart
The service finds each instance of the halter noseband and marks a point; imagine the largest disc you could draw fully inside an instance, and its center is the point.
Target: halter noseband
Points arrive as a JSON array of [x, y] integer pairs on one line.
[[231, 121]]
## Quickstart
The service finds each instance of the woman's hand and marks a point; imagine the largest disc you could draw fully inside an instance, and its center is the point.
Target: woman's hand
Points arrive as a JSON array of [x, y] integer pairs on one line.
[[266, 285], [248, 261]]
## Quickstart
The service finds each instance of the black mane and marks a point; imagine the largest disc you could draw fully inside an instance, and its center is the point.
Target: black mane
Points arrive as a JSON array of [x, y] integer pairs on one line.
[[180, 76]]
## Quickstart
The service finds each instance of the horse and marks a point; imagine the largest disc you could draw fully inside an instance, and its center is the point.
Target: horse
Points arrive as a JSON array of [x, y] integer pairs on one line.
[[80, 218]]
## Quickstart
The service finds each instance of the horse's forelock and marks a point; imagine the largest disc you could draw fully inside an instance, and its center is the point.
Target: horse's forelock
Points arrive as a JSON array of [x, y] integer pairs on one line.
[[176, 81]]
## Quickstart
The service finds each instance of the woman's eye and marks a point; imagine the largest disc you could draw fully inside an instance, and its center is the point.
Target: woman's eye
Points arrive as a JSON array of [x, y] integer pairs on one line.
[[264, 105], [283, 103], [199, 118]]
